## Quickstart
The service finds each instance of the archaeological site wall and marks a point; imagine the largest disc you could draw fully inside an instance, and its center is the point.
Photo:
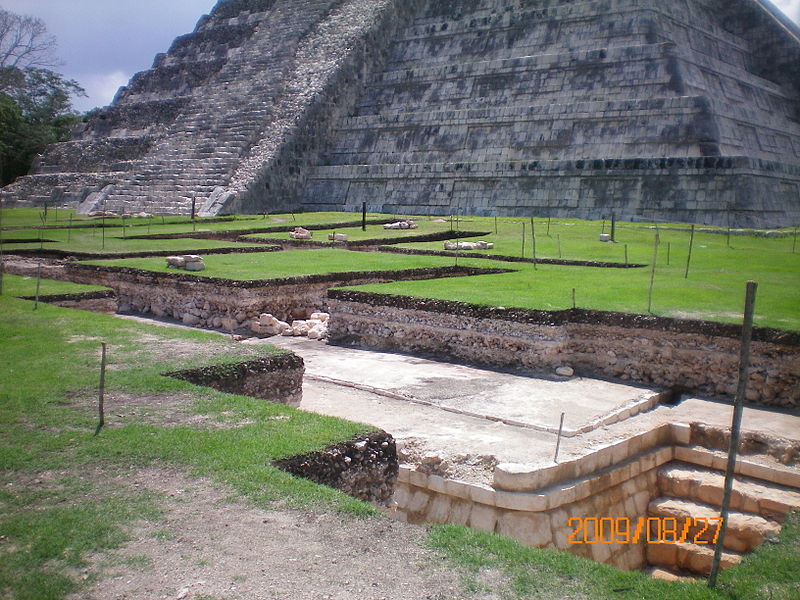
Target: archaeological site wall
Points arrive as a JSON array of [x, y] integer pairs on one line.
[[687, 110], [688, 356]]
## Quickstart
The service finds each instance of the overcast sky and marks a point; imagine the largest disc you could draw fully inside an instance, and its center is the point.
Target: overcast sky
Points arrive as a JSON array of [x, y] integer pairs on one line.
[[102, 43]]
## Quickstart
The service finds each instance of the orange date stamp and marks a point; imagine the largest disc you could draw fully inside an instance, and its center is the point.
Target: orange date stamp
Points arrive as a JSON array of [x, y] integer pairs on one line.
[[650, 530]]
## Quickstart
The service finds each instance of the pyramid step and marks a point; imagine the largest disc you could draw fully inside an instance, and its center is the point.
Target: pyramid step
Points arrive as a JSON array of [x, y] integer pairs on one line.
[[688, 557], [699, 523], [706, 486]]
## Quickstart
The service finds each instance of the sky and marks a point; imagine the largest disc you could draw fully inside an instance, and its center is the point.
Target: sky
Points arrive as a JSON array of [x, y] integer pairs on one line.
[[102, 43]]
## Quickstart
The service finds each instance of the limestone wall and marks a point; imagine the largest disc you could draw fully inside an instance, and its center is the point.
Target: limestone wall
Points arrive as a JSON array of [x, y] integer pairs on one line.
[[534, 504], [231, 305], [691, 356]]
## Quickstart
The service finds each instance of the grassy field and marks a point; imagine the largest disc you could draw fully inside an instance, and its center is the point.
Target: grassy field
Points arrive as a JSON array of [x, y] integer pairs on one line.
[[33, 218], [713, 290], [47, 422], [14, 285], [56, 510], [110, 241], [297, 262], [425, 226]]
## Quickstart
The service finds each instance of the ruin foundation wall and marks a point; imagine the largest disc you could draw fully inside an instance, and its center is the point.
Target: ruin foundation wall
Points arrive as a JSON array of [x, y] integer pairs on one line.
[[689, 356]]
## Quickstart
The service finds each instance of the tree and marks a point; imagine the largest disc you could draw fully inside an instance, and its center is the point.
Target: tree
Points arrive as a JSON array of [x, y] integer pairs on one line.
[[24, 42], [35, 107]]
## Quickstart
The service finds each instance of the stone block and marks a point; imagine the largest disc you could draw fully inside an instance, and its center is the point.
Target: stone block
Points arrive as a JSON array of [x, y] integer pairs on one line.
[[482, 494], [483, 518], [516, 477], [438, 510], [530, 529], [521, 501]]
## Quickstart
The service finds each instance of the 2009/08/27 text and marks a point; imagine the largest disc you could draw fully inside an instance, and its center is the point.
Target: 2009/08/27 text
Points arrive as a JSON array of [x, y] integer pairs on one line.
[[652, 530]]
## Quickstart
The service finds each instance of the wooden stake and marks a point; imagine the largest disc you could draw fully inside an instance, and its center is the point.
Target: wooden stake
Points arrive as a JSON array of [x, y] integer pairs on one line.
[[736, 424], [794, 244], [101, 399], [669, 247], [558, 439], [533, 238], [38, 283], [574, 304], [548, 226], [495, 226], [652, 275], [626, 254], [558, 238], [523, 239], [689, 257], [363, 216]]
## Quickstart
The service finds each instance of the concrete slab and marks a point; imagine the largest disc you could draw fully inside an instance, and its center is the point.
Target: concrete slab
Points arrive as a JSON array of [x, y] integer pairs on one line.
[[472, 391]]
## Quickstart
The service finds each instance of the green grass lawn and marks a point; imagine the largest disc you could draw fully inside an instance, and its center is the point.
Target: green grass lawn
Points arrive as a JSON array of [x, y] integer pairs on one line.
[[291, 263], [14, 285], [95, 241], [714, 289], [50, 375], [425, 226], [55, 512]]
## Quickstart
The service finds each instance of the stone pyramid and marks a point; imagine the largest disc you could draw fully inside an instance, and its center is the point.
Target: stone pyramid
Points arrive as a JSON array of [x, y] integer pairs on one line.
[[665, 110]]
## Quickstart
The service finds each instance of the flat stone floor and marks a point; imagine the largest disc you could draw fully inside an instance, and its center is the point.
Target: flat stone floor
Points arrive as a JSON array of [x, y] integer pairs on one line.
[[380, 388], [478, 392], [414, 399]]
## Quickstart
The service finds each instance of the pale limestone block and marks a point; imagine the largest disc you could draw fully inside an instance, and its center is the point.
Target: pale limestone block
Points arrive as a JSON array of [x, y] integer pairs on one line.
[[681, 433], [436, 483], [460, 511], [418, 502], [483, 518], [403, 474], [419, 479], [401, 496], [516, 477], [483, 494], [642, 499], [530, 529], [620, 451], [457, 489], [521, 501], [601, 552], [439, 509]]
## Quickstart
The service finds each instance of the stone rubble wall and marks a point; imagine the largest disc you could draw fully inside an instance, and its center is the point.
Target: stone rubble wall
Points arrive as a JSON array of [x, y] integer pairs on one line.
[[688, 356], [534, 504], [365, 468], [231, 305], [277, 378]]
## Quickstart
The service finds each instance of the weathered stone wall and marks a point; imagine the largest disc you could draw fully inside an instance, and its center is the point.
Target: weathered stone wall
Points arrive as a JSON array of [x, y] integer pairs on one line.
[[430, 107], [231, 305], [691, 356], [577, 109], [534, 504], [365, 468], [277, 378]]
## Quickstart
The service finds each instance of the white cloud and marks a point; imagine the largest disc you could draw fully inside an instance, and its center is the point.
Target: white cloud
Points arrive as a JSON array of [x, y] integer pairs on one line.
[[100, 88], [790, 7]]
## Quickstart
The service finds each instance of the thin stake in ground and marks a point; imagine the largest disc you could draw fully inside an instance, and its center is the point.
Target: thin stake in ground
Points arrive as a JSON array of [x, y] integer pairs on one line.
[[38, 284], [558, 439], [102, 393], [736, 425], [652, 274], [533, 239], [689, 257]]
